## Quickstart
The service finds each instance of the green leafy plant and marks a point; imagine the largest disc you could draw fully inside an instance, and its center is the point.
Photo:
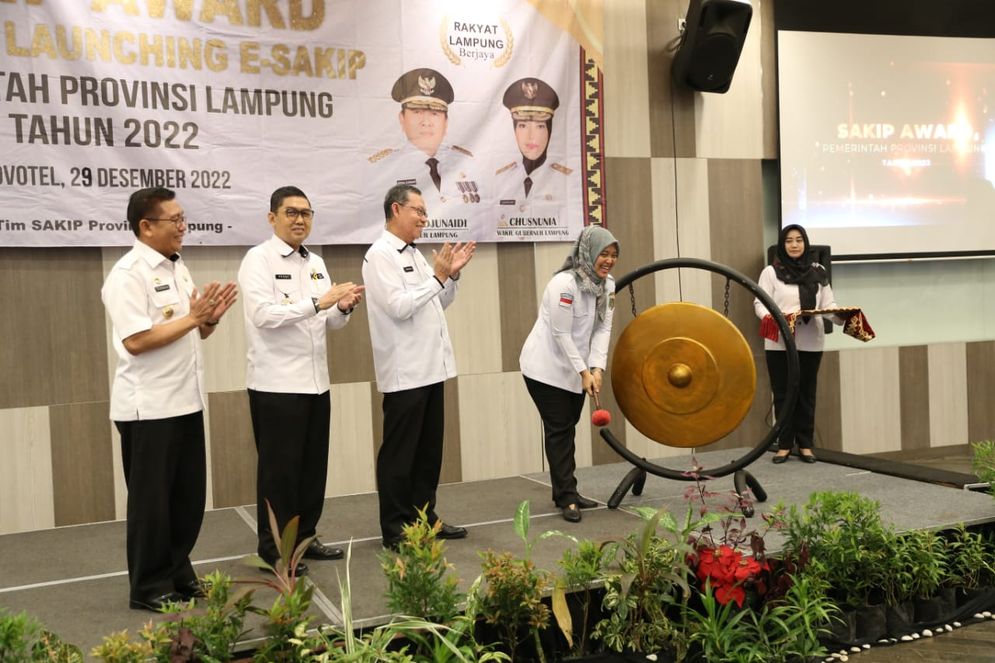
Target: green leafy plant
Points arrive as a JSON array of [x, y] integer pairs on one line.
[[420, 582], [23, 639], [844, 540], [207, 632], [512, 598], [789, 628], [288, 613], [919, 566], [970, 562], [983, 463], [648, 579], [722, 632], [120, 648], [582, 569]]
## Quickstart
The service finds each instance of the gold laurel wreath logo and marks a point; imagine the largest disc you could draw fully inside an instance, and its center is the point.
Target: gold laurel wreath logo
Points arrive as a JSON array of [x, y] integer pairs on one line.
[[500, 61], [444, 42], [506, 54]]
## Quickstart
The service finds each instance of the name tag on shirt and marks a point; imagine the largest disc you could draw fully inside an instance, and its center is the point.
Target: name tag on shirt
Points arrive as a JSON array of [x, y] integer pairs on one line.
[[161, 288], [409, 268], [283, 277]]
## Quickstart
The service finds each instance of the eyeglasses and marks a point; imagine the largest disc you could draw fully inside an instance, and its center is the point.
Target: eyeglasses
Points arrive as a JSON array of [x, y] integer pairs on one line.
[[420, 211], [293, 212], [180, 220]]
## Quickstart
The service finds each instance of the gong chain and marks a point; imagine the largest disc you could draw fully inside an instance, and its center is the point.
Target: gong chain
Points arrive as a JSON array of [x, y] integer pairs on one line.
[[632, 300], [725, 304]]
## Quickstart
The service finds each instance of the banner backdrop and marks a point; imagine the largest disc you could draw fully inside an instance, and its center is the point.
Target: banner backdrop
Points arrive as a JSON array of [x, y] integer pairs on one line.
[[226, 100]]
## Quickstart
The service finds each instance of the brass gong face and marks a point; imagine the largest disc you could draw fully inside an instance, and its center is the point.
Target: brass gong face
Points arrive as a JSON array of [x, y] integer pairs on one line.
[[683, 375]]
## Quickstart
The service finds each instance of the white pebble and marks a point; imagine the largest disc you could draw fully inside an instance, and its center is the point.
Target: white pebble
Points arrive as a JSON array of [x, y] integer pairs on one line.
[[927, 633], [882, 641], [916, 636], [956, 624], [978, 615], [650, 657], [948, 628], [906, 638], [986, 613], [867, 646], [855, 650], [844, 658], [894, 640]]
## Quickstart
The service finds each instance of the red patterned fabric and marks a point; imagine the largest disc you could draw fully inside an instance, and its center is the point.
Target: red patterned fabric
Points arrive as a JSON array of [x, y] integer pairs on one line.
[[855, 322]]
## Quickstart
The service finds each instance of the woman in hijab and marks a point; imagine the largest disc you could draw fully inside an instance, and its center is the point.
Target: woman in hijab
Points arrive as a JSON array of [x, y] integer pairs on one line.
[[795, 283], [564, 356]]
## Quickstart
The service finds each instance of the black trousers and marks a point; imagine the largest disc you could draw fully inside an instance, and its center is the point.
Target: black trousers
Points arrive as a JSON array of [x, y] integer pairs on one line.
[[410, 459], [291, 432], [560, 411], [800, 429], [166, 474]]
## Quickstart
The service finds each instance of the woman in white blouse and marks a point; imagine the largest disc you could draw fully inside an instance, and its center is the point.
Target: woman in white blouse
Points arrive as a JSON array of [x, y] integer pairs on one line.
[[565, 354], [795, 283]]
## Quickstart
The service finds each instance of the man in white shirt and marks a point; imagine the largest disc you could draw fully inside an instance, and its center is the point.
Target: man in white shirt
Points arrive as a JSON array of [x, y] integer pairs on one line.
[[290, 301], [158, 397], [413, 358]]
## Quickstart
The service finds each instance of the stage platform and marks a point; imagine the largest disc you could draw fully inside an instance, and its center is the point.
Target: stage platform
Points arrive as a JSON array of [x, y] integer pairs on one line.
[[74, 579]]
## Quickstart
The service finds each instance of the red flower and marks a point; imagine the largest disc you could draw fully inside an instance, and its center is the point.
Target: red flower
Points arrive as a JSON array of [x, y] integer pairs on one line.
[[728, 570]]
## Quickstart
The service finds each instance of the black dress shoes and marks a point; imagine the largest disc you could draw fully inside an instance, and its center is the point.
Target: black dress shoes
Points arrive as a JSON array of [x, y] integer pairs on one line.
[[808, 458], [318, 550], [571, 513], [191, 590], [392, 544], [451, 532], [585, 503], [778, 459], [156, 604]]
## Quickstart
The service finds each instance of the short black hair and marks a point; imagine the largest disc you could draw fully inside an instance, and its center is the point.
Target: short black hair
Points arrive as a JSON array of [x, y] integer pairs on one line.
[[397, 194], [282, 194], [142, 202]]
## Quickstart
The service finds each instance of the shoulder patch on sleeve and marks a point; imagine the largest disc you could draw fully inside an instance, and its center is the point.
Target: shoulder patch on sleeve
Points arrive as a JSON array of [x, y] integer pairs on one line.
[[462, 150], [505, 167], [560, 168], [566, 299], [380, 155]]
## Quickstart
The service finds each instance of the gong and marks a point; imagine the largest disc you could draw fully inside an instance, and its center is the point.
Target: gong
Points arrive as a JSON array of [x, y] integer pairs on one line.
[[683, 375], [702, 358]]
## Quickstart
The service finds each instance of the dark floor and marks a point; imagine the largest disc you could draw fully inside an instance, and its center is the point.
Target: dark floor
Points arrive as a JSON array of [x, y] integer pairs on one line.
[[73, 579]]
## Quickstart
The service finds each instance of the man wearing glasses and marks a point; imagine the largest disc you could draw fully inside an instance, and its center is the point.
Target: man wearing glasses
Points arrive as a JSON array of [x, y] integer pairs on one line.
[[290, 301], [413, 358], [158, 396]]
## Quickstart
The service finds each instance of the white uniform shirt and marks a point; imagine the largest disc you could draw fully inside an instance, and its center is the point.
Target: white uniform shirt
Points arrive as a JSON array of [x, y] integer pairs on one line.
[[461, 197], [567, 337], [809, 337], [286, 337], [145, 288], [411, 346]]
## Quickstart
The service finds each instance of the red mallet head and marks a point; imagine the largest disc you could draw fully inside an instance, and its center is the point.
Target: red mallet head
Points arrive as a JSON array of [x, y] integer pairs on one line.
[[601, 418]]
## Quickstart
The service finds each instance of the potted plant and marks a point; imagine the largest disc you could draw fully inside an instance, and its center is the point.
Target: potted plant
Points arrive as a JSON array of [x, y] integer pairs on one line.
[[510, 596], [23, 639], [420, 582], [574, 594], [971, 565], [847, 545]]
